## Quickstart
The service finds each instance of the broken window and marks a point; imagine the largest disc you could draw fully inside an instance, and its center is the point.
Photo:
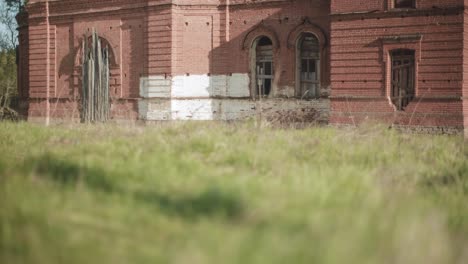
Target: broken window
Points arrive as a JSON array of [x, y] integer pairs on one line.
[[403, 78], [264, 66], [309, 66], [405, 4]]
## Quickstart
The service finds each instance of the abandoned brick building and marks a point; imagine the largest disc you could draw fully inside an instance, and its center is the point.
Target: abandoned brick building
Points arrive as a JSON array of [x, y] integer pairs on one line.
[[398, 61]]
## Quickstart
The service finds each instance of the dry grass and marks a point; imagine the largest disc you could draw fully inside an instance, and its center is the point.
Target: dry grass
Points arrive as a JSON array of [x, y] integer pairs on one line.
[[217, 193]]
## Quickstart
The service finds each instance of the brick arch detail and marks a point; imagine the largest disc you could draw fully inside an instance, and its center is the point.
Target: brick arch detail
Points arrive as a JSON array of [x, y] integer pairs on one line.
[[306, 27], [104, 42], [259, 31], [114, 66]]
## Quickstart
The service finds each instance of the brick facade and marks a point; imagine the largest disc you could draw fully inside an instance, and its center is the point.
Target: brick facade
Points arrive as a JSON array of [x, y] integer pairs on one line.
[[193, 59], [363, 33]]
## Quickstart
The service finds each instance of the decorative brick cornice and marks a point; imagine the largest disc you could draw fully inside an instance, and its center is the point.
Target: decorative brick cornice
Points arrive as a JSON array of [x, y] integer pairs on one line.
[[427, 98], [402, 13], [401, 39], [76, 7]]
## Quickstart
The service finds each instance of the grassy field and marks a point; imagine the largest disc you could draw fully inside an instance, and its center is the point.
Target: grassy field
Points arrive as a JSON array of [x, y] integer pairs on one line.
[[217, 193]]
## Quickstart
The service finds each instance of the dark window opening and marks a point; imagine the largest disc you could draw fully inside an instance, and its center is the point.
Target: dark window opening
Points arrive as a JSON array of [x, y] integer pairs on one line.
[[264, 41], [405, 4], [264, 67], [403, 78], [309, 66]]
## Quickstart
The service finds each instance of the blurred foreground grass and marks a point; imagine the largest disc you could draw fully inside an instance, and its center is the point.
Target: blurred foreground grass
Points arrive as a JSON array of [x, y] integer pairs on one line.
[[217, 193]]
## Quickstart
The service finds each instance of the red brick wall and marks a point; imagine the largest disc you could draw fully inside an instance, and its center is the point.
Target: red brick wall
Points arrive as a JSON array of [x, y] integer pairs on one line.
[[194, 40], [23, 58], [209, 39], [38, 51], [465, 70], [163, 38], [123, 25], [133, 56], [346, 6], [360, 69], [158, 41], [283, 19], [157, 37]]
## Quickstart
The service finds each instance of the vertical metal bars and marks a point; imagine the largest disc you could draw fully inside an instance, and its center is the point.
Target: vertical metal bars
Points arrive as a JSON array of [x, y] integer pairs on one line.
[[95, 80]]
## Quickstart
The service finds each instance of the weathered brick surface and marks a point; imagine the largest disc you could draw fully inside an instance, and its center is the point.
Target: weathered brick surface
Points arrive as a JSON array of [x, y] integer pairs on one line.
[[360, 61], [155, 44]]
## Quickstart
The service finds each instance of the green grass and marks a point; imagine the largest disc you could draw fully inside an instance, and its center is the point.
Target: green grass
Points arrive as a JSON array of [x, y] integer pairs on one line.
[[218, 193]]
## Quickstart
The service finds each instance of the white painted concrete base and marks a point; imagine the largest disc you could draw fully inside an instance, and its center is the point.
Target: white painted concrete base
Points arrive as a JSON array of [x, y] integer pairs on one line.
[[223, 109], [203, 97], [195, 86]]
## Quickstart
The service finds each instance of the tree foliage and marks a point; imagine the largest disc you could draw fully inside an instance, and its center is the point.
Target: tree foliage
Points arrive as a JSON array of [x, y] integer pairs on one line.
[[7, 71], [8, 82], [8, 42], [8, 25], [15, 4]]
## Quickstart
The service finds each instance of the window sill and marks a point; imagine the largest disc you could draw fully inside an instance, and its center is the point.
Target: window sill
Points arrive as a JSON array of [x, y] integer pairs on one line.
[[394, 9]]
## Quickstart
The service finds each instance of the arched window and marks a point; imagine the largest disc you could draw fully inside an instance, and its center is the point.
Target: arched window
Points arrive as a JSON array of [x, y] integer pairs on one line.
[[308, 66], [263, 67], [404, 4], [403, 77]]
